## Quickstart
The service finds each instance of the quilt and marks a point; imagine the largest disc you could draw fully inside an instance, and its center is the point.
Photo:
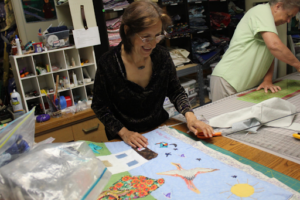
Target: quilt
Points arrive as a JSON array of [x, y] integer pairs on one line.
[[176, 167]]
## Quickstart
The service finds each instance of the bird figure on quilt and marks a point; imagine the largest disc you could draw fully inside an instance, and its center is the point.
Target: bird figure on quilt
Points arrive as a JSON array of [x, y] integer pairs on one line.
[[188, 175]]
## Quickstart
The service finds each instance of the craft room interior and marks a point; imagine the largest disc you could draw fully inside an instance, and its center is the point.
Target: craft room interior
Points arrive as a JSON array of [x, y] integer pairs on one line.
[[149, 99]]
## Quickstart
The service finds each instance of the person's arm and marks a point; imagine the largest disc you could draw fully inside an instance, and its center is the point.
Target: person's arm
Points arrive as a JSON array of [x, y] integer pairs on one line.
[[101, 102], [267, 84], [179, 98], [279, 50]]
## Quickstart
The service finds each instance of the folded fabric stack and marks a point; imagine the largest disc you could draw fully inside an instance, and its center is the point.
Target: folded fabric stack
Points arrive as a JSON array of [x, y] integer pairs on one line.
[[196, 11], [219, 20], [220, 39], [203, 50], [115, 4], [113, 27], [179, 56], [198, 24]]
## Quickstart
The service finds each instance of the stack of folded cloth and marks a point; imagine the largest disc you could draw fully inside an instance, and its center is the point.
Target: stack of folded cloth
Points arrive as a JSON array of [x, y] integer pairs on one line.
[[198, 24], [179, 56], [115, 4], [196, 11], [113, 27]]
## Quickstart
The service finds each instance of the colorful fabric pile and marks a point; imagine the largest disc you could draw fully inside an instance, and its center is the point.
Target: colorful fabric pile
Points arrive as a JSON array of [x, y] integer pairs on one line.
[[113, 27], [115, 4]]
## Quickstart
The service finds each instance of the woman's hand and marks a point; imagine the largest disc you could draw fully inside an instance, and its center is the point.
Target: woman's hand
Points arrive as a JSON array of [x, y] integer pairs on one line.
[[133, 139], [268, 86], [195, 125]]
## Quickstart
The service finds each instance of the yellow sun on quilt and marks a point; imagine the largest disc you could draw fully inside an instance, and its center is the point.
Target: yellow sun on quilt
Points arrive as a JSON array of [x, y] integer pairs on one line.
[[243, 190]]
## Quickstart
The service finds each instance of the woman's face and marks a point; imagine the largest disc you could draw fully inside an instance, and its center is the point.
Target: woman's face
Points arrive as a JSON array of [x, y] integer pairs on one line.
[[282, 15], [144, 49]]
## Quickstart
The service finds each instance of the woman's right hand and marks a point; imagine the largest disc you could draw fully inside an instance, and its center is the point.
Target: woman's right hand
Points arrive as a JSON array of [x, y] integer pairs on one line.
[[133, 139]]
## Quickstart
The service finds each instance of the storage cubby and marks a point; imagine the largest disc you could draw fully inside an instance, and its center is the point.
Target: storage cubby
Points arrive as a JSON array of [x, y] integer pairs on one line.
[[89, 91], [71, 56], [57, 59], [46, 82], [89, 72], [87, 54], [25, 64], [42, 60], [62, 75], [79, 94], [30, 86], [38, 103], [79, 76], [35, 83]]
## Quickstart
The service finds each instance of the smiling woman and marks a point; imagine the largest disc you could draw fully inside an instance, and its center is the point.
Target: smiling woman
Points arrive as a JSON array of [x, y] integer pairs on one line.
[[133, 79]]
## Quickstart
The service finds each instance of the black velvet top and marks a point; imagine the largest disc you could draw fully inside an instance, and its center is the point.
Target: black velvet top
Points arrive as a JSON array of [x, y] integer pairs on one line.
[[119, 102]]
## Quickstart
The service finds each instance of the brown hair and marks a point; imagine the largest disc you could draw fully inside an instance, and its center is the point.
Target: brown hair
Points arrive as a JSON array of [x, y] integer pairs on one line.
[[138, 16]]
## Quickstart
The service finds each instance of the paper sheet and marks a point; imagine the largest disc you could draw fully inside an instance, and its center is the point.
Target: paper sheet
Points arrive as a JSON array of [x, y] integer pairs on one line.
[[86, 38]]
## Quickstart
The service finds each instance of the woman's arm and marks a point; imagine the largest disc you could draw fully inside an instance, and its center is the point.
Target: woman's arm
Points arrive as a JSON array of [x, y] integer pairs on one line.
[[101, 103], [179, 98]]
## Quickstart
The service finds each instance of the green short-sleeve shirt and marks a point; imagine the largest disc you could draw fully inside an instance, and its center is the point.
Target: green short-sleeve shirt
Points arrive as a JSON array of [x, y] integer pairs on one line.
[[248, 59]]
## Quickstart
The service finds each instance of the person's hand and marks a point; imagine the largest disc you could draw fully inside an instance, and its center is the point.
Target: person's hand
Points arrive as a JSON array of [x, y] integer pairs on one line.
[[268, 86], [197, 126], [133, 139]]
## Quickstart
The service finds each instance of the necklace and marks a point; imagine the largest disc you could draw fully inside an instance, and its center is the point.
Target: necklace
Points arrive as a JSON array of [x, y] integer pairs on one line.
[[141, 67]]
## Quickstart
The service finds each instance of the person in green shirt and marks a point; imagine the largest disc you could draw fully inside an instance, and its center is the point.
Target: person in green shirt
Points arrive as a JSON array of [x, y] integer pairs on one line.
[[249, 60]]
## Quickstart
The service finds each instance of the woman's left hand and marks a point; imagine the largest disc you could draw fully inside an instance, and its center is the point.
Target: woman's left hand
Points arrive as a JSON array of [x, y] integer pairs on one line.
[[195, 125]]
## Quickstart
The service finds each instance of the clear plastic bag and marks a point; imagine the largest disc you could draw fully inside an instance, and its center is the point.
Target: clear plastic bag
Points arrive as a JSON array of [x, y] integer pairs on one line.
[[55, 171], [17, 138]]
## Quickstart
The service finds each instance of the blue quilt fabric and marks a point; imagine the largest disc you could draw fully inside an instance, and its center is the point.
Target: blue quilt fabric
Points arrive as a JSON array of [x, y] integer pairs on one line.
[[191, 174]]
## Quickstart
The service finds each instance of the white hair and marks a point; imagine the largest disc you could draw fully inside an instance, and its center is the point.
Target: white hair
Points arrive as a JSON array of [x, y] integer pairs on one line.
[[287, 4]]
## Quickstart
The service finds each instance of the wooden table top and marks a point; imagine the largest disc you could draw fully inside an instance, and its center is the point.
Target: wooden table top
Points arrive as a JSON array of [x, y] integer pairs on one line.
[[271, 161], [66, 120]]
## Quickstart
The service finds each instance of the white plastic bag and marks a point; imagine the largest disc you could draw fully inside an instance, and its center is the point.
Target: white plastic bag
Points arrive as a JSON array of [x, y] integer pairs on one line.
[[17, 138], [63, 171]]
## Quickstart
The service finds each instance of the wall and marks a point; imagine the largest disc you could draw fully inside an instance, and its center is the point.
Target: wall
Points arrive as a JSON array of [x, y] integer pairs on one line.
[[28, 31], [282, 32]]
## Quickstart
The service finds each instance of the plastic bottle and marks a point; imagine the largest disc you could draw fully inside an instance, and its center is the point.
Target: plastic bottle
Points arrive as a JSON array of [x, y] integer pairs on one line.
[[75, 79], [18, 45], [73, 62], [16, 101], [66, 83]]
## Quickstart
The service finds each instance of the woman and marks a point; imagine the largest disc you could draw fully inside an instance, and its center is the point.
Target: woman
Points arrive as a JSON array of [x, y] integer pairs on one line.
[[133, 79]]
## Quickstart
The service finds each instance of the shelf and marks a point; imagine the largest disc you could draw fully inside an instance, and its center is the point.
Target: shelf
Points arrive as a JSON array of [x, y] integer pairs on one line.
[[30, 98], [91, 83], [186, 69], [28, 77], [47, 81]]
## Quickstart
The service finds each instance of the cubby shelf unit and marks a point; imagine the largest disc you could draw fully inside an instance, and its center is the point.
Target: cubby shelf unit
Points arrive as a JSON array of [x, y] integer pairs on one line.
[[47, 80]]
